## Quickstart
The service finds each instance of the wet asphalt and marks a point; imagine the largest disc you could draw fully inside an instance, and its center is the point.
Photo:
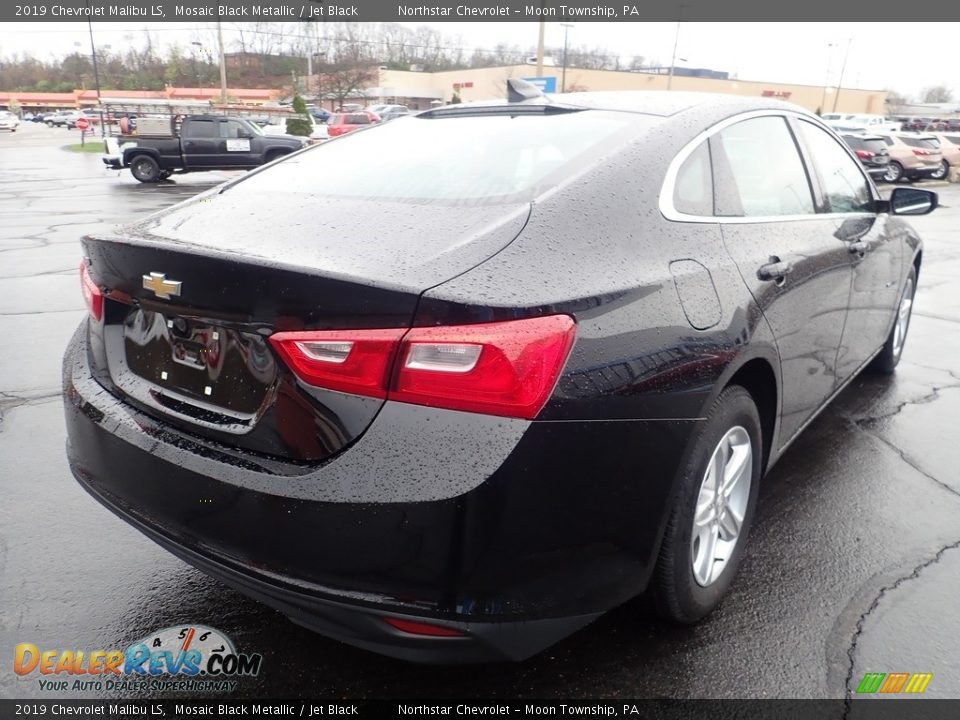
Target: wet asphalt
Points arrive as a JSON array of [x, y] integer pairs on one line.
[[853, 564]]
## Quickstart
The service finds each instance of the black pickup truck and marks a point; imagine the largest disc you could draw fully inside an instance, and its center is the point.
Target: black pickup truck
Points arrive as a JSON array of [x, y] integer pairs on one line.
[[194, 144]]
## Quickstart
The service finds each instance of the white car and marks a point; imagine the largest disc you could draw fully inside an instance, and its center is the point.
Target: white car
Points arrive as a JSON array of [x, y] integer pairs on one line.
[[318, 133], [867, 121], [9, 121]]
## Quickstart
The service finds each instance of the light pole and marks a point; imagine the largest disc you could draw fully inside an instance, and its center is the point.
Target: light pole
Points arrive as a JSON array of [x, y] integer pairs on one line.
[[196, 69], [563, 81], [673, 58], [826, 79], [223, 65], [843, 67], [96, 73]]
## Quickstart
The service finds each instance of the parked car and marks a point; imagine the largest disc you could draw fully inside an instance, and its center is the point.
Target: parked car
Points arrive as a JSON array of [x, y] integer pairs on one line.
[[556, 382], [9, 121], [950, 149], [278, 126], [867, 121], [389, 112], [56, 119], [195, 143], [318, 113], [871, 151], [912, 156], [342, 123]]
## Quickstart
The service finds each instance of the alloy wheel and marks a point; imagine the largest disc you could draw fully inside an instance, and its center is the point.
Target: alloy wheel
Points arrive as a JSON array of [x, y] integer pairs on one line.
[[721, 505]]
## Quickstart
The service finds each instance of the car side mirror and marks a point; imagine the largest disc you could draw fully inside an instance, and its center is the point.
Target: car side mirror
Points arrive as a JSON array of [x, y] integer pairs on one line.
[[244, 134], [912, 201]]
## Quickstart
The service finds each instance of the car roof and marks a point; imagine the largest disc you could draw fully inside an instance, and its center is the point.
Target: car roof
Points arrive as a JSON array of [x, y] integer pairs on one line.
[[645, 102]]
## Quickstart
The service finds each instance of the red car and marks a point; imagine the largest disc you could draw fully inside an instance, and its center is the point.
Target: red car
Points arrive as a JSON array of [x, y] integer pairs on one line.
[[342, 123]]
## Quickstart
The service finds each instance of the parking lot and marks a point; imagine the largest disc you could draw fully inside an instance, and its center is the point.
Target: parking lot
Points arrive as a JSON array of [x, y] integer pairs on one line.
[[853, 565]]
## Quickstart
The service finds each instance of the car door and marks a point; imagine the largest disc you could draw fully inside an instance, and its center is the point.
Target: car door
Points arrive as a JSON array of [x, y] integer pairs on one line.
[[787, 253], [199, 140], [236, 144], [875, 255]]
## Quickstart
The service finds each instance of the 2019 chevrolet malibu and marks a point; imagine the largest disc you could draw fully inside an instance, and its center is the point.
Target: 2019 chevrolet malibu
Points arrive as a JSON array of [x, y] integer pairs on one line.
[[553, 378]]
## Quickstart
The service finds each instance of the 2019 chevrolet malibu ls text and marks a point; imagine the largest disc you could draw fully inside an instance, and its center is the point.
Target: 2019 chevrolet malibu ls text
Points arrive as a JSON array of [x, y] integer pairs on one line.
[[553, 378]]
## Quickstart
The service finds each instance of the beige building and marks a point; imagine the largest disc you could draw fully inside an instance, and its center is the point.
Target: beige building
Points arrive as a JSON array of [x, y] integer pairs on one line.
[[421, 90]]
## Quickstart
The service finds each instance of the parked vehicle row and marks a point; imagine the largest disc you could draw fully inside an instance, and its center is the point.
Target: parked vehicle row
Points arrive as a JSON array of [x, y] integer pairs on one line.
[[905, 155], [929, 124]]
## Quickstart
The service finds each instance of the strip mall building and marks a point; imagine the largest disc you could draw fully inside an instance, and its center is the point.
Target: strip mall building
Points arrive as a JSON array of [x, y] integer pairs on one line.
[[422, 90]]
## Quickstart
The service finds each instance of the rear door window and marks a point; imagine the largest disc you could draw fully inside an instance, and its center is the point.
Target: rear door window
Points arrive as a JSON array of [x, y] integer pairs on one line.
[[201, 129], [766, 169]]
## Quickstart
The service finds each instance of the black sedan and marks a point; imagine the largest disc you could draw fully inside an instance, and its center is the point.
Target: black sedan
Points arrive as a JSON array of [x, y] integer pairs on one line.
[[552, 379]]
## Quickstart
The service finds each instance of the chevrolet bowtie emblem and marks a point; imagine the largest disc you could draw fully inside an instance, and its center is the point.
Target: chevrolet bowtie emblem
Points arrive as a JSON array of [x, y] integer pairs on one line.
[[158, 284]]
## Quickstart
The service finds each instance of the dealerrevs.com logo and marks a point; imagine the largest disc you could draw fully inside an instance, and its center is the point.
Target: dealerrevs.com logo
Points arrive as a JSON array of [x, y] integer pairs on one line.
[[191, 658]]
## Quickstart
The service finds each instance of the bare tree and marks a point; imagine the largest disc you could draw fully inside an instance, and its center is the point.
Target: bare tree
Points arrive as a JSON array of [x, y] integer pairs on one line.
[[937, 94]]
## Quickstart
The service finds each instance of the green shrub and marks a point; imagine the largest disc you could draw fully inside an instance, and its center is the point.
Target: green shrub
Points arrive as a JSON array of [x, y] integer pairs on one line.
[[299, 126]]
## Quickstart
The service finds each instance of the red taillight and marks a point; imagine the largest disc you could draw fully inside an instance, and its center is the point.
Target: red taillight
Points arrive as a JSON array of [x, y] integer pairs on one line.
[[91, 293], [504, 368], [420, 628], [918, 151], [864, 154], [351, 361]]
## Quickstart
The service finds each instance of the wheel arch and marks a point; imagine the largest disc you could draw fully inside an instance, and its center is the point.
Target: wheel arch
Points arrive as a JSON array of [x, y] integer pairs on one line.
[[758, 373]]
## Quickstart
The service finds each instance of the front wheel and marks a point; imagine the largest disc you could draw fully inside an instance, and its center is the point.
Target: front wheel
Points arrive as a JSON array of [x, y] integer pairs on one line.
[[942, 171], [713, 510], [145, 169], [889, 357]]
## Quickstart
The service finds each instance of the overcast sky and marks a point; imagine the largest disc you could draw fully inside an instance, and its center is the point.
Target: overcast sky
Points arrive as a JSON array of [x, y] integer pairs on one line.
[[784, 52]]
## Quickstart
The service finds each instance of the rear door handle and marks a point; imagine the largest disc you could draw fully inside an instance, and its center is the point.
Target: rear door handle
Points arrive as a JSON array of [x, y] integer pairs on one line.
[[859, 247], [774, 270]]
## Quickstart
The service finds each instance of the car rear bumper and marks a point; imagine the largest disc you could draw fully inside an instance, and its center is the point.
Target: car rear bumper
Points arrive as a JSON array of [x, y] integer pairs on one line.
[[514, 533]]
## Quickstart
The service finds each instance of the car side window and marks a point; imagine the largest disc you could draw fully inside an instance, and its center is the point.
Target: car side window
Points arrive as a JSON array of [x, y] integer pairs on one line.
[[765, 168], [693, 190], [202, 129], [845, 187], [230, 128]]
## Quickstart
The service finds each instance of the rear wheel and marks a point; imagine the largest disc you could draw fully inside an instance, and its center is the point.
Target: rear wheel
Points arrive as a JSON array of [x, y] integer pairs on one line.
[[894, 172], [889, 357], [713, 510], [942, 171], [145, 169]]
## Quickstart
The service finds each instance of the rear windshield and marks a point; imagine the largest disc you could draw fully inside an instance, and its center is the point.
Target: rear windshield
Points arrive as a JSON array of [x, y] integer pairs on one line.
[[925, 143], [447, 159], [873, 145]]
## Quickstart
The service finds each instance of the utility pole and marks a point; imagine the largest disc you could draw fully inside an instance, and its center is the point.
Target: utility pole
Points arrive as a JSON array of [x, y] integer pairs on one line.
[[843, 67], [543, 25], [826, 80], [96, 73], [563, 81], [223, 65], [673, 59]]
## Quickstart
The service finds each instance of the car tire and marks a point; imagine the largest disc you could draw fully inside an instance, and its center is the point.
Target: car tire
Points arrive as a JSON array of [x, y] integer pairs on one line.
[[145, 169], [894, 172], [48, 124], [942, 172], [888, 359], [690, 580]]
